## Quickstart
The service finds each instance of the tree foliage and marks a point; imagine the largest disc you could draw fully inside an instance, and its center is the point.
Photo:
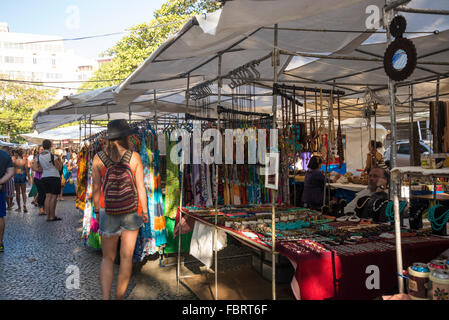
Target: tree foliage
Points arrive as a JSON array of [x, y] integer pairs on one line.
[[18, 103], [145, 38]]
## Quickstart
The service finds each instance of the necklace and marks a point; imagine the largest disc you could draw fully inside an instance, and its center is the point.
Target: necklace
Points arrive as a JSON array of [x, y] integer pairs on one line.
[[378, 208], [441, 221], [389, 212], [364, 202]]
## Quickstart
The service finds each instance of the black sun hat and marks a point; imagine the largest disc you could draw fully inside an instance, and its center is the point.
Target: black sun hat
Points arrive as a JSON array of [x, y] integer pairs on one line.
[[118, 129]]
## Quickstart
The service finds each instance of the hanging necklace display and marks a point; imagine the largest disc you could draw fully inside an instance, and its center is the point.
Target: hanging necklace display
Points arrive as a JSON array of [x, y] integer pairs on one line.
[[307, 140], [314, 135], [400, 57], [321, 129], [341, 158], [331, 130]]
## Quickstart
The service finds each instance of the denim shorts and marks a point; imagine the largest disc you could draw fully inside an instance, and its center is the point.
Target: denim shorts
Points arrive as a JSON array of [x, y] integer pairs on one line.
[[20, 178], [112, 225]]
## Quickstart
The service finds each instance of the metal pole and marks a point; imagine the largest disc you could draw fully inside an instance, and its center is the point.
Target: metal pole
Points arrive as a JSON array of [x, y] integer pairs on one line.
[[369, 139], [188, 93], [274, 193], [85, 125], [79, 142], [155, 107], [375, 122], [424, 11], [90, 125], [178, 270], [397, 224], [412, 136], [436, 116], [216, 179], [361, 146], [182, 190]]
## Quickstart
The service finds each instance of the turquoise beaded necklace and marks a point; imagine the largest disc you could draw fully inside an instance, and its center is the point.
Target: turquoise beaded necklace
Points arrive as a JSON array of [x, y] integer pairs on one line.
[[389, 212], [440, 222]]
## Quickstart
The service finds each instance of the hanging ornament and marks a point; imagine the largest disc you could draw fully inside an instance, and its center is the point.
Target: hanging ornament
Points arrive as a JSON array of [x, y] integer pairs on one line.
[[400, 58]]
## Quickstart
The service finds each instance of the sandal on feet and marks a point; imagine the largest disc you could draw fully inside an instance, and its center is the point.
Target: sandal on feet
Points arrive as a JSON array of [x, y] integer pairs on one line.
[[18, 210], [25, 210], [55, 219]]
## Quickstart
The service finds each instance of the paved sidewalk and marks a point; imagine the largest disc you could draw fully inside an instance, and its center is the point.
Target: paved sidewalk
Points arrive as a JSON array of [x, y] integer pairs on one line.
[[38, 253]]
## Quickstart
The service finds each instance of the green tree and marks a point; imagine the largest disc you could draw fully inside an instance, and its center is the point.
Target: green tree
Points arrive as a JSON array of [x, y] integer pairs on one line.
[[18, 103], [145, 38]]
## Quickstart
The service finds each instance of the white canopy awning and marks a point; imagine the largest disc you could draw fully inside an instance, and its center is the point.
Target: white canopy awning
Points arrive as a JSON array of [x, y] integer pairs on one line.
[[238, 29], [65, 133], [242, 32]]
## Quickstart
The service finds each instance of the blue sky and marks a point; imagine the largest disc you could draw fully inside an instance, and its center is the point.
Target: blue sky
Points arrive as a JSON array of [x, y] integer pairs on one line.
[[58, 17], [53, 17]]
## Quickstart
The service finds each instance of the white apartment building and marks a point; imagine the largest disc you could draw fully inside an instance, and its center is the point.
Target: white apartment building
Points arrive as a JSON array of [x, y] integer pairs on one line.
[[43, 58]]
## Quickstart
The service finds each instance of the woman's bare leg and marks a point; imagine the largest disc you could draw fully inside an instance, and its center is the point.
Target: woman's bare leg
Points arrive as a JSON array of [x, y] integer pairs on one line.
[[128, 242], [17, 187], [109, 248], [23, 188]]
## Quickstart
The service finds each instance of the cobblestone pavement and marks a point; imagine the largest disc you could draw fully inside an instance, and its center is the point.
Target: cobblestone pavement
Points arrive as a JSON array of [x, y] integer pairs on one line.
[[38, 253]]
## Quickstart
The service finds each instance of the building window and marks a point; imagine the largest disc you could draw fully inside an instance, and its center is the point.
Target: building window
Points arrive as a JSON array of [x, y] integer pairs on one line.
[[14, 60]]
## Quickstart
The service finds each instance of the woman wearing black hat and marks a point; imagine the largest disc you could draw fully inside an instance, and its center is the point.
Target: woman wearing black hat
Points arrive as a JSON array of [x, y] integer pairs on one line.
[[120, 202]]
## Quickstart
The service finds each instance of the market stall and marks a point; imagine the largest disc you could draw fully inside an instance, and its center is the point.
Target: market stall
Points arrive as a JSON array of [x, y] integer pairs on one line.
[[218, 71]]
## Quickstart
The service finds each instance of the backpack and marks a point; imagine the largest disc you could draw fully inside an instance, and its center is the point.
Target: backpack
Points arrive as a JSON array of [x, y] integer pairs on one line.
[[119, 185]]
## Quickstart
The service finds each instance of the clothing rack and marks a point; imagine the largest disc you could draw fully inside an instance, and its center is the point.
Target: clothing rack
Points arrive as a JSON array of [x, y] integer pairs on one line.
[[278, 92], [278, 86], [221, 109]]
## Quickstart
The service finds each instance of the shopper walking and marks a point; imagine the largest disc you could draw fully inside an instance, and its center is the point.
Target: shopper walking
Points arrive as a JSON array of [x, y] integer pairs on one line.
[[37, 169], [120, 202], [6, 173], [64, 172], [72, 166], [9, 187], [33, 191], [51, 180], [21, 176]]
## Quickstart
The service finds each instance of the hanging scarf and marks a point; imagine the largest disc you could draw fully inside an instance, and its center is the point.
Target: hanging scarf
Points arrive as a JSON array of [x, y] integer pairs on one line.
[[172, 186], [159, 219], [82, 179]]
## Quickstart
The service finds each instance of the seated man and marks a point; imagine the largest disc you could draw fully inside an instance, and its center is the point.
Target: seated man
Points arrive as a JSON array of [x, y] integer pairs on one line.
[[374, 194]]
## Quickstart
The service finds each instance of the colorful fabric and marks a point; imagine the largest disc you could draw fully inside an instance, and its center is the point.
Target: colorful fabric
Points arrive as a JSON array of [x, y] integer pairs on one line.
[[196, 182], [172, 188], [146, 242], [89, 212], [152, 235], [82, 179], [159, 219]]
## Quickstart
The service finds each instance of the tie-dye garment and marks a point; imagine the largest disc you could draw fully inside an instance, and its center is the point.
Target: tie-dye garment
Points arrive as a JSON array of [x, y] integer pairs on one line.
[[82, 179], [172, 188], [88, 207], [152, 235]]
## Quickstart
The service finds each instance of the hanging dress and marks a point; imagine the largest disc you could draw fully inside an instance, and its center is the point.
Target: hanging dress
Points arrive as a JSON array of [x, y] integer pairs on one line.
[[82, 179], [146, 242], [172, 189]]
